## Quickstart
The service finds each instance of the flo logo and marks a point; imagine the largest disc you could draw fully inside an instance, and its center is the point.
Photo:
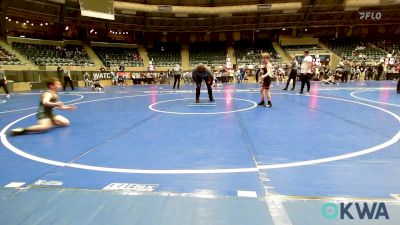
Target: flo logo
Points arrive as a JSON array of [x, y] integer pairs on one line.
[[370, 15], [355, 210]]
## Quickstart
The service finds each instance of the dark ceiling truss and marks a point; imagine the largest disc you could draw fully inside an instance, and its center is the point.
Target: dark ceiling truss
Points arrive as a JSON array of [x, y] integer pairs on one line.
[[307, 13], [259, 15], [314, 13], [270, 26], [263, 26], [212, 4], [4, 8]]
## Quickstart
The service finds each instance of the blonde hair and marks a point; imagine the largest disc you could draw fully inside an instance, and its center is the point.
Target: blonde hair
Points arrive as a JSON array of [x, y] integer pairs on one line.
[[265, 56], [52, 81], [200, 67]]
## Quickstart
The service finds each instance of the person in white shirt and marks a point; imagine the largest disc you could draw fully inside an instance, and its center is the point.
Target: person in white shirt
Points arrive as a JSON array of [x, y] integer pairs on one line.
[[306, 69], [86, 78], [187, 77], [177, 75]]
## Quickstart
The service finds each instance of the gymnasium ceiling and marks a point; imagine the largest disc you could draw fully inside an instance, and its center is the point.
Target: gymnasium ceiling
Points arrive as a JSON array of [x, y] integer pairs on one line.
[[312, 14]]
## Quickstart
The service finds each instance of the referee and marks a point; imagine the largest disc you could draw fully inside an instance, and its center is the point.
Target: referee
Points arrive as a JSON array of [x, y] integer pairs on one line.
[[3, 82], [67, 79], [177, 75], [293, 74], [200, 74]]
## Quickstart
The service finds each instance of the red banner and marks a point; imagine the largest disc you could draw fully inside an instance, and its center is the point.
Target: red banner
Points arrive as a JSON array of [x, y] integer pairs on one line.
[[126, 74]]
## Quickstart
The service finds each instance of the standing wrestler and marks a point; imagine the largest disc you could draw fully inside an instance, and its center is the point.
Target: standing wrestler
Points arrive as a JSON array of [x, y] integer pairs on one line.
[[266, 79]]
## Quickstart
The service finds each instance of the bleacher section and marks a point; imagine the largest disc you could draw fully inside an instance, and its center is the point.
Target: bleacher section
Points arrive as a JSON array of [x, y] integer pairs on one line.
[[343, 48], [392, 47], [374, 53], [51, 55], [7, 58], [113, 56], [356, 49], [208, 53], [250, 53], [301, 47], [165, 55]]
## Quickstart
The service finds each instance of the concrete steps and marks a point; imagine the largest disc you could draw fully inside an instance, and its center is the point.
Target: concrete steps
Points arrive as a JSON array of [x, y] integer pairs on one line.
[[185, 57], [93, 56], [144, 55], [231, 54], [335, 60], [285, 57]]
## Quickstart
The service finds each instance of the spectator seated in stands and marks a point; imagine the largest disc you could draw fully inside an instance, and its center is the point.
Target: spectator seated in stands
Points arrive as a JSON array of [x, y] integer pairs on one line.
[[165, 54], [113, 56], [356, 49], [212, 53], [7, 58], [249, 53], [51, 55]]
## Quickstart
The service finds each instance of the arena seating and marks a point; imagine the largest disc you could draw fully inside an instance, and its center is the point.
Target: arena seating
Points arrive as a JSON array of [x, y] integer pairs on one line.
[[113, 56], [390, 46], [301, 47], [343, 48], [51, 55], [7, 58], [250, 53], [213, 53], [355, 49], [374, 53], [167, 54]]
